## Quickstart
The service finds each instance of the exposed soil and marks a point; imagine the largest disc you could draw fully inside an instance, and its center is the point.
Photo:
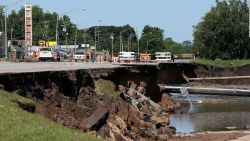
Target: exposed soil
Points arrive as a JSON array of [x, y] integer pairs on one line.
[[205, 71]]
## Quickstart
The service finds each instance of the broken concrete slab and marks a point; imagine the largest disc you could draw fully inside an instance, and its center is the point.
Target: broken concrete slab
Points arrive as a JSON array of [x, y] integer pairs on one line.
[[97, 119]]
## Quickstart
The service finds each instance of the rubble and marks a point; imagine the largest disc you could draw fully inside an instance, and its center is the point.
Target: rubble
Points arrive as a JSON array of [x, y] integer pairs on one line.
[[135, 117], [97, 119]]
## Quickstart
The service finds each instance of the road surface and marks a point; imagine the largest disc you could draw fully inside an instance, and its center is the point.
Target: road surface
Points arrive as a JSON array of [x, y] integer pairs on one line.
[[23, 67]]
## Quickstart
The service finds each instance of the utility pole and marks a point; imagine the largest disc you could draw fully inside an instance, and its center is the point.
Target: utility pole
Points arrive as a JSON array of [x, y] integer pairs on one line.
[[66, 33], [75, 39], [58, 16], [120, 41], [57, 19], [11, 36], [95, 39], [98, 40], [46, 26]]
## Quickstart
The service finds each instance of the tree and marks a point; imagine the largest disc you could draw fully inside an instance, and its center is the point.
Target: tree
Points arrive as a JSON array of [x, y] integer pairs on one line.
[[187, 46], [1, 18], [172, 46], [155, 36], [223, 32], [104, 40]]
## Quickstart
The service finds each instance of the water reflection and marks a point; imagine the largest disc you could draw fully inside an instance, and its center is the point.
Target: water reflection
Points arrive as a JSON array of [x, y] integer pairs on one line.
[[213, 115]]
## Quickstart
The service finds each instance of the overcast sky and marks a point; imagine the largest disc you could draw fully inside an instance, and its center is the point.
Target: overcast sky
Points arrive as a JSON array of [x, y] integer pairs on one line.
[[175, 17]]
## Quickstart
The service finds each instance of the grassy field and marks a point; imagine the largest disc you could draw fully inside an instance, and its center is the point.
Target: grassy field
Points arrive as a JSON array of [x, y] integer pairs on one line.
[[222, 63], [19, 125]]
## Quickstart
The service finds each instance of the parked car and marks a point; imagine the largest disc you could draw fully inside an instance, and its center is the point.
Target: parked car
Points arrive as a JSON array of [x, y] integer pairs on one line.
[[56, 55], [79, 55], [45, 54]]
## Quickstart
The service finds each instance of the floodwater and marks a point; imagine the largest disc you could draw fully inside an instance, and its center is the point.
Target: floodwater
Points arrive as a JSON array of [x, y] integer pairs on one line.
[[212, 113]]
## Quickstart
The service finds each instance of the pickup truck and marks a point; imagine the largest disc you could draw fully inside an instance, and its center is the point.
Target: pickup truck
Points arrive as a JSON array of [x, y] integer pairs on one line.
[[46, 53]]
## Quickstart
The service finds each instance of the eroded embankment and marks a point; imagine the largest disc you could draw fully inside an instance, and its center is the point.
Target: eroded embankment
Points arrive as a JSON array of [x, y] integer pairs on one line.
[[209, 71], [70, 98]]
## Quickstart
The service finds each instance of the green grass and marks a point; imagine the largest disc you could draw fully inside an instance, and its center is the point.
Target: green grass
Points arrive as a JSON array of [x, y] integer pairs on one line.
[[105, 87], [19, 125], [222, 63]]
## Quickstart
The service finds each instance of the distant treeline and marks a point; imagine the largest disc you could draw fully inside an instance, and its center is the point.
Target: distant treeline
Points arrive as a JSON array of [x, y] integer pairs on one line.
[[44, 28]]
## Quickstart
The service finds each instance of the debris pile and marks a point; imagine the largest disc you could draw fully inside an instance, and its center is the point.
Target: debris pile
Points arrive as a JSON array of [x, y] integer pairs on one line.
[[136, 117], [131, 116]]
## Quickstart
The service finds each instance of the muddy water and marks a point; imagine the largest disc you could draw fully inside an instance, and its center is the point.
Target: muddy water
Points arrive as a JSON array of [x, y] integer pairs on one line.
[[212, 113]]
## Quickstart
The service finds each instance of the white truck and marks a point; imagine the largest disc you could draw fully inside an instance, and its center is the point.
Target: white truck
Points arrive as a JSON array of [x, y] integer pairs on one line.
[[45, 53]]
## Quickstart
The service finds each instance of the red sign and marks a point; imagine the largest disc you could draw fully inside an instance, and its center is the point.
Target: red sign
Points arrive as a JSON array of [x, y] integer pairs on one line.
[[28, 25]]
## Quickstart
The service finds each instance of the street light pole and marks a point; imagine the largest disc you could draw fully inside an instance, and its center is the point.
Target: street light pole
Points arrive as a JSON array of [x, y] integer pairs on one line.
[[57, 20], [121, 42], [75, 39], [85, 44], [95, 40], [112, 38], [138, 42], [130, 41], [150, 41], [11, 36], [67, 42]]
